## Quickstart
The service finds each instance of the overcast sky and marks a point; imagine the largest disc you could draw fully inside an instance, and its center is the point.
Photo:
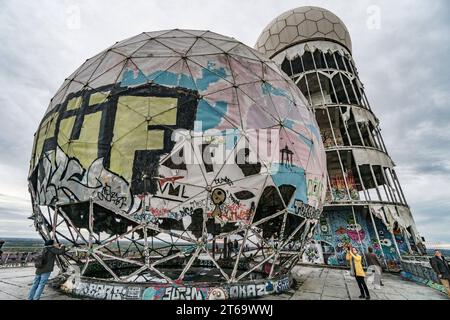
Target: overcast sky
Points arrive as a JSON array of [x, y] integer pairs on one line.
[[401, 49]]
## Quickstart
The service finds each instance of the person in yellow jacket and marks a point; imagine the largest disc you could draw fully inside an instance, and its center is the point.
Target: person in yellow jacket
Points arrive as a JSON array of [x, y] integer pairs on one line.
[[356, 270]]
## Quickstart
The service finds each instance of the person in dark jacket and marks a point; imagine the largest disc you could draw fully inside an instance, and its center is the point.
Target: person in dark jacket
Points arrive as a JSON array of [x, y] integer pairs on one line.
[[2, 242], [374, 262], [441, 267], [50, 251]]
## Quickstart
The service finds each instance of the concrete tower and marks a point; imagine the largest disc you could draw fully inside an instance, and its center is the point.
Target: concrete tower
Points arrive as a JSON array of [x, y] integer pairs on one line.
[[365, 202]]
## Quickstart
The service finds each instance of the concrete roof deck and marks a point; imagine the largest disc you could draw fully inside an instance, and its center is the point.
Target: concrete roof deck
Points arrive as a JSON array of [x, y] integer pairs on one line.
[[314, 283]]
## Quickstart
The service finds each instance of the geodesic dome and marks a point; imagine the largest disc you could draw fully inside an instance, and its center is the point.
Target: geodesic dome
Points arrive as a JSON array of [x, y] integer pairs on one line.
[[299, 25], [175, 158]]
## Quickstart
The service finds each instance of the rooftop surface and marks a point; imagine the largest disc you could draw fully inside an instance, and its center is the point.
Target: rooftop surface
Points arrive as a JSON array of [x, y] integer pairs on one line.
[[314, 283]]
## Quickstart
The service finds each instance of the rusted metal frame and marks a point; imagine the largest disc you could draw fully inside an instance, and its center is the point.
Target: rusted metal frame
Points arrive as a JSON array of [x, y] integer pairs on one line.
[[360, 134], [62, 235], [318, 79], [251, 224], [394, 174], [74, 240], [226, 277], [351, 82], [342, 80], [104, 265], [91, 222], [386, 192], [129, 246], [167, 258], [109, 250], [337, 100], [278, 250], [293, 233], [136, 243], [108, 239], [255, 267], [146, 251], [396, 185], [388, 186], [340, 160], [105, 243], [361, 90], [118, 247], [366, 193], [98, 252], [168, 232], [382, 140], [371, 137], [72, 225], [329, 186], [365, 98], [243, 228], [345, 126], [263, 242], [392, 187], [272, 268], [236, 264], [55, 219], [377, 139], [306, 81], [49, 220], [290, 65], [283, 224], [302, 247], [87, 262], [190, 262], [135, 273], [363, 101], [161, 274], [205, 211], [376, 183]]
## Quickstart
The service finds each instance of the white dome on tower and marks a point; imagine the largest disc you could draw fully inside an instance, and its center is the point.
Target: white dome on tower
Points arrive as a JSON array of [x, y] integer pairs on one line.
[[300, 25]]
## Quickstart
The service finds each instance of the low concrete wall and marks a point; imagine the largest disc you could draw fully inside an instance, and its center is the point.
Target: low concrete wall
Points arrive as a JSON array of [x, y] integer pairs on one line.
[[420, 269], [112, 290], [421, 272]]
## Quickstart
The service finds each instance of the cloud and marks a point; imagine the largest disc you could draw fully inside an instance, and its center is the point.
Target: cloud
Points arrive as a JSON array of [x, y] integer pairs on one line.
[[404, 66]]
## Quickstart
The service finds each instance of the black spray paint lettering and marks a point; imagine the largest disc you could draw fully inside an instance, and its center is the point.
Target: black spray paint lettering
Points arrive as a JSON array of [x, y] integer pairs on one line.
[[247, 291], [184, 293], [107, 195], [306, 211]]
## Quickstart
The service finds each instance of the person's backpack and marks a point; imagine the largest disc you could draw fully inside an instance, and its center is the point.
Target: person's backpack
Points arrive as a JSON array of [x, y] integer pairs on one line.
[[41, 259]]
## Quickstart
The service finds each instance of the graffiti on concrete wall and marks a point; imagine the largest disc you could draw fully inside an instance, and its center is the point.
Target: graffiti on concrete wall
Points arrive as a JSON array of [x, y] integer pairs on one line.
[[107, 291], [313, 253], [339, 189], [339, 229], [175, 293], [102, 291]]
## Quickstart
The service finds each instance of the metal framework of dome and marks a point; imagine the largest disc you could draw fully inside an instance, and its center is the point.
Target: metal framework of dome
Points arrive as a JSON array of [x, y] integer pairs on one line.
[[178, 164]]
